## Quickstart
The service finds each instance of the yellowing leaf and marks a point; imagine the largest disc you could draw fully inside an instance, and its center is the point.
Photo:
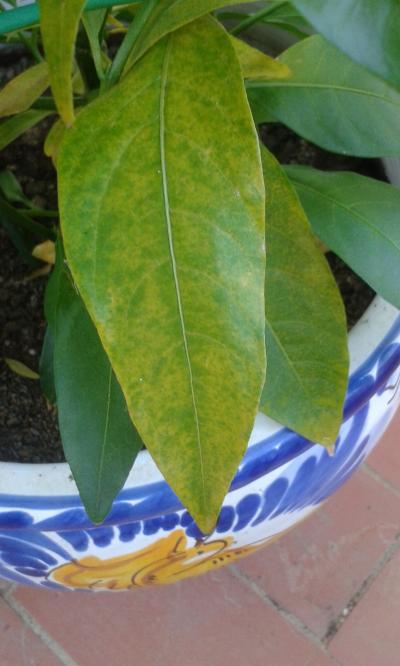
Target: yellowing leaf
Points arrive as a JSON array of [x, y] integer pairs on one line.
[[21, 369], [59, 20], [20, 93], [168, 254], [169, 15], [45, 251], [257, 65], [53, 140], [306, 334]]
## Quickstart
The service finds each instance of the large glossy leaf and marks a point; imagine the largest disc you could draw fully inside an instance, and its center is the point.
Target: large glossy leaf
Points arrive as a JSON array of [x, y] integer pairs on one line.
[[59, 20], [331, 101], [12, 128], [167, 16], [358, 218], [367, 30], [99, 440], [168, 253], [306, 333], [24, 89], [257, 65]]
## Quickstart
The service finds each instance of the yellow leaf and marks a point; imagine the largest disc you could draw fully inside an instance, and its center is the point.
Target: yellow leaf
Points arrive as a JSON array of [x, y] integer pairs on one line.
[[20, 93], [53, 140], [45, 251], [59, 21], [257, 65], [21, 369]]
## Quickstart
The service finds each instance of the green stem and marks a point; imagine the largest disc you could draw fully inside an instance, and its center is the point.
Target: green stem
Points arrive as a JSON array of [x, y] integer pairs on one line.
[[255, 18], [128, 43], [38, 212], [47, 103]]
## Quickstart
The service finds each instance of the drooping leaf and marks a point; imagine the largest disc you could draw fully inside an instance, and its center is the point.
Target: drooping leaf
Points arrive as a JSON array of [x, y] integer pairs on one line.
[[167, 16], [99, 440], [358, 218], [46, 367], [331, 101], [306, 334], [59, 20], [12, 128], [257, 65], [168, 253], [24, 89], [367, 30], [21, 369]]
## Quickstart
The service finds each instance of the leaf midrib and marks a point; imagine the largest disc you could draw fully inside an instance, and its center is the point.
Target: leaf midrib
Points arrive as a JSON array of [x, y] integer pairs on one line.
[[167, 212]]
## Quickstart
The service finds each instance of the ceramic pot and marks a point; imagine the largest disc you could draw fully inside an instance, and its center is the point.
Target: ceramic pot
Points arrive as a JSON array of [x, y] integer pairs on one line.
[[47, 540]]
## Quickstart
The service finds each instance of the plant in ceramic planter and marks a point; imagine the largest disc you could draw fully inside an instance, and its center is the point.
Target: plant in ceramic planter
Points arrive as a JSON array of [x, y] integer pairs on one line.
[[189, 291]]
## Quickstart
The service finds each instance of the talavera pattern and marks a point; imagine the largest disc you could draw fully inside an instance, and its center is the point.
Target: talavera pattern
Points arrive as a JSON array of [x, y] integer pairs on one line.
[[149, 538]]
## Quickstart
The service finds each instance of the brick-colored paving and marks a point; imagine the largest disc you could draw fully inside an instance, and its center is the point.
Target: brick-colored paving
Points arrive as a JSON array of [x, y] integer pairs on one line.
[[326, 594]]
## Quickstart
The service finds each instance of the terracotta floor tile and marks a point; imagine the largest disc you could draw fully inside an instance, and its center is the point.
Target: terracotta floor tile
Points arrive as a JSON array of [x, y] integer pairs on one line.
[[18, 645], [385, 459], [370, 635], [316, 568], [214, 620]]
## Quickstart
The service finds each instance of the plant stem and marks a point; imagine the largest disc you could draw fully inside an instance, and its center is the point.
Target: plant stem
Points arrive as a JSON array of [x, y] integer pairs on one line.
[[128, 43], [255, 18]]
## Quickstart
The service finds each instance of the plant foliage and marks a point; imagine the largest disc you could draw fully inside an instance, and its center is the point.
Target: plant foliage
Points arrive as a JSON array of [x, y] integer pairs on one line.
[[186, 254]]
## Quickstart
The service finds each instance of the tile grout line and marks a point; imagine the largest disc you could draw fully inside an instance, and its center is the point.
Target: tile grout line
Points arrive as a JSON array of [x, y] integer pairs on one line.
[[35, 627], [337, 623], [379, 479], [292, 619]]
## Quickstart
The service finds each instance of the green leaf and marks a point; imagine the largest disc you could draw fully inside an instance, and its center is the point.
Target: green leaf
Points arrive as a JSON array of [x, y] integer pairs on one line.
[[331, 101], [168, 253], [358, 218], [22, 231], [167, 16], [367, 30], [59, 21], [23, 90], [11, 188], [257, 65], [93, 22], [285, 16], [46, 367], [99, 440], [306, 334], [13, 127]]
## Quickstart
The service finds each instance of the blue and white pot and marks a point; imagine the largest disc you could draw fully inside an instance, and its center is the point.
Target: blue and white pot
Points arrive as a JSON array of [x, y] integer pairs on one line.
[[47, 540]]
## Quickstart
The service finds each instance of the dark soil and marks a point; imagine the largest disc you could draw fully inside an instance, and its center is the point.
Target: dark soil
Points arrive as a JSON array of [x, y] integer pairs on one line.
[[28, 424]]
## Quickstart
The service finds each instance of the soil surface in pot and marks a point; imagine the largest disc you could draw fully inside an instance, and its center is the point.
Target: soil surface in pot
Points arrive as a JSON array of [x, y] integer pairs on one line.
[[28, 424]]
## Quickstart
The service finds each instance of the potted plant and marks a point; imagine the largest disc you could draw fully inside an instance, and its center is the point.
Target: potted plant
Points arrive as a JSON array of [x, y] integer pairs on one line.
[[185, 257]]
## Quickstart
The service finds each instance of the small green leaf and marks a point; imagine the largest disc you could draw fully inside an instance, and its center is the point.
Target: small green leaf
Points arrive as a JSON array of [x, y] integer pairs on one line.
[[21, 369], [12, 128], [257, 65], [11, 188], [306, 334], [22, 231], [331, 101], [98, 437], [367, 30], [94, 22], [59, 20], [24, 89], [168, 253], [358, 218]]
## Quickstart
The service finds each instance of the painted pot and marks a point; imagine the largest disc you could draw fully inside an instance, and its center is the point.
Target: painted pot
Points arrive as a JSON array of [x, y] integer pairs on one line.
[[47, 540]]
